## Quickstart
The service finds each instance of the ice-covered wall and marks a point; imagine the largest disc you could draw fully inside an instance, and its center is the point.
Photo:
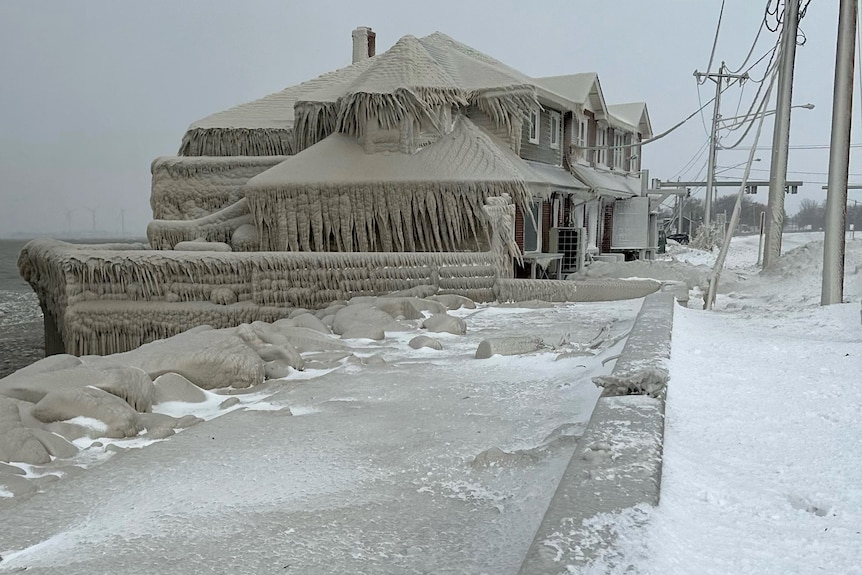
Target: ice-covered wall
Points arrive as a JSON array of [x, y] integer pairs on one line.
[[185, 188], [100, 301]]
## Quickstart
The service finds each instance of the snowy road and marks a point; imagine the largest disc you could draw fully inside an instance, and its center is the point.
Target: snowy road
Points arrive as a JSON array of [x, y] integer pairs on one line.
[[376, 471]]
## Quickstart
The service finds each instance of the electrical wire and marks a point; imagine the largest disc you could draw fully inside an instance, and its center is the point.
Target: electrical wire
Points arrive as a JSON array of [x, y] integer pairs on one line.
[[777, 13], [659, 136], [754, 43], [692, 160], [702, 117], [714, 44], [760, 110]]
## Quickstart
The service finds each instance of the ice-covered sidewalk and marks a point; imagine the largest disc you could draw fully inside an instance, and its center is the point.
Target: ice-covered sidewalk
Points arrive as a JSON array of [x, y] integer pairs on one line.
[[762, 452]]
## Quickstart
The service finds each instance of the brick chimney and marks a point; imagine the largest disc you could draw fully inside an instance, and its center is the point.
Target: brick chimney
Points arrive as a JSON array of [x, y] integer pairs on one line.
[[363, 43]]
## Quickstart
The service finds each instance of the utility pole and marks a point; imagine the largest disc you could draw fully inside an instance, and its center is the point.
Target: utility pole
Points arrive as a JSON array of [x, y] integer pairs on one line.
[[832, 290], [781, 135], [716, 77]]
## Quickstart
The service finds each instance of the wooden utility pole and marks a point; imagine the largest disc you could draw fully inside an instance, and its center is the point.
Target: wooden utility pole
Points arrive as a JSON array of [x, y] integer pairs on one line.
[[716, 77]]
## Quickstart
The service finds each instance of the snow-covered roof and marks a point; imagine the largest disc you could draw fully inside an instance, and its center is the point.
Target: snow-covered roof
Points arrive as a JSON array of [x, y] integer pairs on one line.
[[418, 73], [635, 115], [608, 183], [432, 200], [582, 89], [465, 154], [415, 77]]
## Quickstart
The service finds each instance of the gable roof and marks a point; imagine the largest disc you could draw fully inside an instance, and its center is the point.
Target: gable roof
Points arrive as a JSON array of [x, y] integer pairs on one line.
[[415, 76], [263, 126], [582, 89], [465, 154], [429, 201], [635, 115]]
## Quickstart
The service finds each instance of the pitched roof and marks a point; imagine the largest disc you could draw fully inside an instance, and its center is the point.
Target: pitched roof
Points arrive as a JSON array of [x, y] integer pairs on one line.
[[466, 154], [276, 110], [432, 200], [414, 76], [634, 114], [582, 89]]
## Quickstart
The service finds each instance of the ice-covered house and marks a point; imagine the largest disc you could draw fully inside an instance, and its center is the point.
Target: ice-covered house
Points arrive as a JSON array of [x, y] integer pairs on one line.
[[430, 168], [577, 155]]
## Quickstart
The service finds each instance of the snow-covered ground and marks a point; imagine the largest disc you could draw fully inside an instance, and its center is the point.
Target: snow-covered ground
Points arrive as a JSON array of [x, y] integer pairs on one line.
[[429, 461], [435, 462], [762, 452]]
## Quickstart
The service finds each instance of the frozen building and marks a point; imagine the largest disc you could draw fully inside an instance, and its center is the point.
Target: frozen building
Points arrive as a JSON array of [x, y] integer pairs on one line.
[[577, 155], [430, 167]]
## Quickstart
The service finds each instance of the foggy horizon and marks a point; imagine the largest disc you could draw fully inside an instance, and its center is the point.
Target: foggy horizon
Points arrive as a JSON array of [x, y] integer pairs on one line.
[[92, 93]]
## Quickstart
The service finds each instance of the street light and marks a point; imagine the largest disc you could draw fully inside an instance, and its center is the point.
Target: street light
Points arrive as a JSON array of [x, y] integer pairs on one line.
[[728, 168], [808, 106]]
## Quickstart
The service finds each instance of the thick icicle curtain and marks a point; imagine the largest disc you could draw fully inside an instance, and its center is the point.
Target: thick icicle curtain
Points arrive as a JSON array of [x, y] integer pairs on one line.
[[397, 216], [238, 142]]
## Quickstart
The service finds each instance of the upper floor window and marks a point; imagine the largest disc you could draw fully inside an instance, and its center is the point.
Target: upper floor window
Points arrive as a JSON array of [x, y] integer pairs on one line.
[[555, 129], [602, 145], [534, 126], [620, 150], [634, 158], [581, 139]]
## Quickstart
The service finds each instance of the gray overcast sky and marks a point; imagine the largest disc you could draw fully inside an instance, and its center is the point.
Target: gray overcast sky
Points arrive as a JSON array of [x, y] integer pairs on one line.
[[92, 91]]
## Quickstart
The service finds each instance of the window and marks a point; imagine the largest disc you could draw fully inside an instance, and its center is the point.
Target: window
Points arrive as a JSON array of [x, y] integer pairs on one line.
[[601, 145], [619, 150], [534, 126], [555, 130], [581, 139], [533, 228], [634, 154]]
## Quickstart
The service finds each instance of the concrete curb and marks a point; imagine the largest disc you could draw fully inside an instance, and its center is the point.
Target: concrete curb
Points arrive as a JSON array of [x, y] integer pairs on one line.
[[617, 463], [603, 289]]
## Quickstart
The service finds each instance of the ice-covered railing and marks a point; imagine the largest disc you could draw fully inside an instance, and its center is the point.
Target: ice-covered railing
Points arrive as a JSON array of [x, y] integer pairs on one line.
[[105, 301]]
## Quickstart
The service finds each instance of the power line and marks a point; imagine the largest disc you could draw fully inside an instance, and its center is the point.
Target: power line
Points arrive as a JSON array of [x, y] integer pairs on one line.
[[754, 43], [692, 160], [714, 43]]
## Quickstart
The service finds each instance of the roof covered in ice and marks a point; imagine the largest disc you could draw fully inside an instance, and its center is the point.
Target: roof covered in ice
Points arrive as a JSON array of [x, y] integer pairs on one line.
[[634, 114], [467, 154], [415, 77]]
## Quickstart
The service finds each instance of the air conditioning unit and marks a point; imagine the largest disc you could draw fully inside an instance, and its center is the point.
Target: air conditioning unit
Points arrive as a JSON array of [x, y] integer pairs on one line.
[[572, 243]]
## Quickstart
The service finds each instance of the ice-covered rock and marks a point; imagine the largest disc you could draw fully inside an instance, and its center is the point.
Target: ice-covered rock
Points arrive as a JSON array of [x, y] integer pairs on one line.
[[174, 387], [421, 341], [507, 346], [118, 417], [442, 322], [17, 443], [209, 359]]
